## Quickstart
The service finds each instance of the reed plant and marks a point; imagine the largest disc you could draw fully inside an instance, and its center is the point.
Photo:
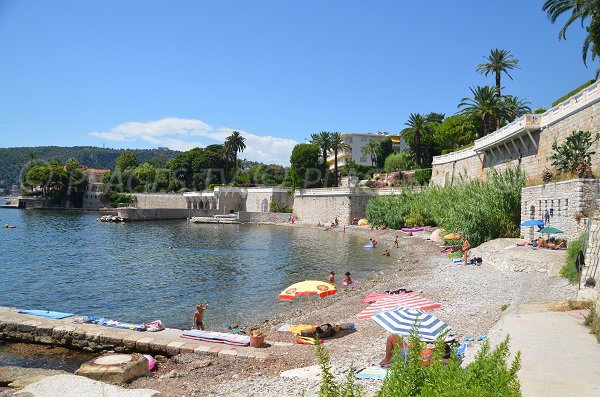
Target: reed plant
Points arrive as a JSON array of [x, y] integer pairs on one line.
[[480, 210]]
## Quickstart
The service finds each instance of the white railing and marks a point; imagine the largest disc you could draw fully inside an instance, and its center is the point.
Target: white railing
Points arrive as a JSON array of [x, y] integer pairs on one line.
[[344, 191], [454, 156], [580, 100]]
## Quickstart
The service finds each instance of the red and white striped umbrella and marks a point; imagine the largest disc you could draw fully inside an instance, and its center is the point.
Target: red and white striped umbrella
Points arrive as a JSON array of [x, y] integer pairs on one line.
[[393, 301], [379, 296]]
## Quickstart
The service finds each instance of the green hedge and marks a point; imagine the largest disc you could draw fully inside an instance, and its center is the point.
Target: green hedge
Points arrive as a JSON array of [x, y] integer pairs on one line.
[[569, 270], [481, 210], [575, 91]]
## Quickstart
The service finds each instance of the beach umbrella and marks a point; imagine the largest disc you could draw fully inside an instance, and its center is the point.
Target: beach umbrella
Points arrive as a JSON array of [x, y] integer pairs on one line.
[[452, 236], [550, 230], [401, 321], [393, 301], [533, 222], [309, 287], [362, 222]]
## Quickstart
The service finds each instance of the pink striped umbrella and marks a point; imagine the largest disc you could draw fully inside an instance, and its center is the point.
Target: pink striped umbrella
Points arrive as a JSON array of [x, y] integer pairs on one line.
[[379, 296], [389, 303]]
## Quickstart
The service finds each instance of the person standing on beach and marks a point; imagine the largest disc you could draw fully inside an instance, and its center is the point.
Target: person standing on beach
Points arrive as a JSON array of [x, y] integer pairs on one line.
[[197, 320], [331, 277], [396, 243], [466, 247]]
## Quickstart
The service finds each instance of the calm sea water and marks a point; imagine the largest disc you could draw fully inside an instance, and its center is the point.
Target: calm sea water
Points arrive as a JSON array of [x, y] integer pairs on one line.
[[140, 272]]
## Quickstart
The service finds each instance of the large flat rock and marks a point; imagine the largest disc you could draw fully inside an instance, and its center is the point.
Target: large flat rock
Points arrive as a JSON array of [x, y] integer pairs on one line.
[[78, 386], [18, 377], [115, 368]]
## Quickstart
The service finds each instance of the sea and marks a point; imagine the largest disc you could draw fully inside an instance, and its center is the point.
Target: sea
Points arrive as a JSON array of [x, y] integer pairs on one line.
[[159, 270]]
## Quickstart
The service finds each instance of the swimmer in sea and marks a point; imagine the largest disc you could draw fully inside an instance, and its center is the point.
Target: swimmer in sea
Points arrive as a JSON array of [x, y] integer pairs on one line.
[[347, 278]]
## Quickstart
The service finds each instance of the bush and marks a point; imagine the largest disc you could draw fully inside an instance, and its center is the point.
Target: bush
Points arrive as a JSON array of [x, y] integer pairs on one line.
[[279, 207], [489, 375], [481, 210], [592, 320], [115, 199], [569, 270], [422, 176]]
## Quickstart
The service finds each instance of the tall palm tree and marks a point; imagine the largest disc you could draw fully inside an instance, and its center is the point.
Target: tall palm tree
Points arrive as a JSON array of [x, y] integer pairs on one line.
[[337, 144], [499, 61], [417, 127], [514, 107], [322, 140], [484, 105], [580, 9], [234, 144], [372, 149]]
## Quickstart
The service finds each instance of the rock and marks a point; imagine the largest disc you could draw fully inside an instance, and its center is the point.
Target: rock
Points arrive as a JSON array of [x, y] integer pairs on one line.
[[10, 375], [312, 372], [77, 386], [172, 374], [115, 368]]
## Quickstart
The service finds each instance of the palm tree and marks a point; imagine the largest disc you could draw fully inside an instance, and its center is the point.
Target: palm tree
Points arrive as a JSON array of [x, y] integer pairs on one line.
[[484, 105], [322, 140], [337, 143], [371, 149], [418, 126], [499, 61], [514, 107], [580, 9], [234, 144]]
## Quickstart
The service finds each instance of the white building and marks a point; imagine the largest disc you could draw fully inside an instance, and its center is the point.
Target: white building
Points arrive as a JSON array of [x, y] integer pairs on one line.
[[357, 142], [91, 197]]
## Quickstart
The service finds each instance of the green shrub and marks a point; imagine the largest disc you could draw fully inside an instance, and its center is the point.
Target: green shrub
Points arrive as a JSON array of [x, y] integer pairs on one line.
[[575, 91], [279, 207], [592, 320], [489, 375], [569, 270], [116, 199], [481, 210], [422, 176]]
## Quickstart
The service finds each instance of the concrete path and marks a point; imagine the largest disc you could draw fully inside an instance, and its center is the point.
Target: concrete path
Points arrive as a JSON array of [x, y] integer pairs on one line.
[[559, 355]]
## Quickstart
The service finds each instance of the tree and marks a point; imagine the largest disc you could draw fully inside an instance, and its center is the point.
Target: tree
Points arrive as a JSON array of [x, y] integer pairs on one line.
[[499, 61], [146, 174], [337, 143], [583, 10], [371, 149], [399, 162], [385, 150], [322, 140], [234, 144], [454, 132], [418, 128], [126, 160], [514, 107], [574, 155], [485, 105], [305, 166]]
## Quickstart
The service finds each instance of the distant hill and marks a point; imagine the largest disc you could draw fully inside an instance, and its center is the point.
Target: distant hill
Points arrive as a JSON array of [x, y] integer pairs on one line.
[[13, 160]]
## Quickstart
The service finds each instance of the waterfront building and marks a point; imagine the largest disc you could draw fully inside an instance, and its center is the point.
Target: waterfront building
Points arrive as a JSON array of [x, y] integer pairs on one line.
[[357, 142], [91, 197]]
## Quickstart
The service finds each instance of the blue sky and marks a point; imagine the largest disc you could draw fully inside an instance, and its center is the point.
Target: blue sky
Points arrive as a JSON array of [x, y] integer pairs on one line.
[[143, 74]]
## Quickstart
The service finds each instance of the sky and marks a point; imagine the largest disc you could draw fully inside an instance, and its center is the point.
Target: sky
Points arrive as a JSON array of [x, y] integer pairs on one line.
[[181, 74]]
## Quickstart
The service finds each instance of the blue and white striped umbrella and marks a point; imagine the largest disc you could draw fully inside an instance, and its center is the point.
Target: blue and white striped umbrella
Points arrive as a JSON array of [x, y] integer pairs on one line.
[[401, 320]]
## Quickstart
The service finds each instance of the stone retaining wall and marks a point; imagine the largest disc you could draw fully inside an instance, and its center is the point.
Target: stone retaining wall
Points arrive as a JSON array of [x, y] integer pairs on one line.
[[138, 214], [258, 217], [564, 200], [166, 200]]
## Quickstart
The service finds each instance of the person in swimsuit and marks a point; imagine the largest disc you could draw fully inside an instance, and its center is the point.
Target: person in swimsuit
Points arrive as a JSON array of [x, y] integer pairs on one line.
[[347, 278], [331, 277], [385, 253], [396, 245], [466, 247], [199, 316]]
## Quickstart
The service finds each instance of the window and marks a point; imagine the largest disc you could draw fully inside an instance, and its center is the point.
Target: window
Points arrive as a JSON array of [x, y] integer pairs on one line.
[[264, 206], [364, 139], [348, 140], [363, 159]]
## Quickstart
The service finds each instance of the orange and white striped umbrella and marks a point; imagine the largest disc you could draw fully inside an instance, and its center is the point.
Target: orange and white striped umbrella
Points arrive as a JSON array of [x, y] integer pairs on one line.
[[309, 287]]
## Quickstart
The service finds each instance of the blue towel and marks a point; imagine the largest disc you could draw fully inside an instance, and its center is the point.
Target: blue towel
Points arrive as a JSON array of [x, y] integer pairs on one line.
[[374, 372], [46, 313]]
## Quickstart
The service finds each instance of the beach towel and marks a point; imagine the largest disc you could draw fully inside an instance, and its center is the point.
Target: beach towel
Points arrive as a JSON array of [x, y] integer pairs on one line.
[[113, 323], [374, 372], [284, 327], [47, 314], [304, 340], [217, 337], [297, 329]]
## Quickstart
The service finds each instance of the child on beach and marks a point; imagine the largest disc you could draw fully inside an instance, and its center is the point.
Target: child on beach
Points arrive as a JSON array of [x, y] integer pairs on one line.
[[199, 316], [385, 253], [330, 278], [396, 243]]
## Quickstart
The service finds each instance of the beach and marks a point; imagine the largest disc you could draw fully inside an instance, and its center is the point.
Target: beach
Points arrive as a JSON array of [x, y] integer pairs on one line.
[[473, 299]]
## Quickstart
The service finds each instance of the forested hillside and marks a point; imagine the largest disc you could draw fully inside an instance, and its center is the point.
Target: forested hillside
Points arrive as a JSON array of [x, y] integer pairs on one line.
[[13, 160]]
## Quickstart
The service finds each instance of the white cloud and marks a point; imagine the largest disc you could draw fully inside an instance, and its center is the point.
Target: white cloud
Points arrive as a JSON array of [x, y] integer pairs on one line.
[[181, 134]]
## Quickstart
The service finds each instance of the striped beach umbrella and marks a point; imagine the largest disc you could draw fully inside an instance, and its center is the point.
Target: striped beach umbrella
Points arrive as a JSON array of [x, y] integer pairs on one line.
[[401, 321], [309, 287], [393, 301]]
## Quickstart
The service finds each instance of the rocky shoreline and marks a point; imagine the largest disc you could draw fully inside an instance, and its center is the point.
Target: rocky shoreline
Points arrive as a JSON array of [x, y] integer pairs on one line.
[[473, 299]]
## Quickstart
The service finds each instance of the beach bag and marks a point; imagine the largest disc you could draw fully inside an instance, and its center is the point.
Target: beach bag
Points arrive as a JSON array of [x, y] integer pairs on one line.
[[325, 330], [154, 326]]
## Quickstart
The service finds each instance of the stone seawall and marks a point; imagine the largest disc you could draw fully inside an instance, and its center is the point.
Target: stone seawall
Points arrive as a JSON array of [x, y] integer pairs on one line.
[[563, 201], [140, 214], [95, 338], [166, 200], [266, 217]]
